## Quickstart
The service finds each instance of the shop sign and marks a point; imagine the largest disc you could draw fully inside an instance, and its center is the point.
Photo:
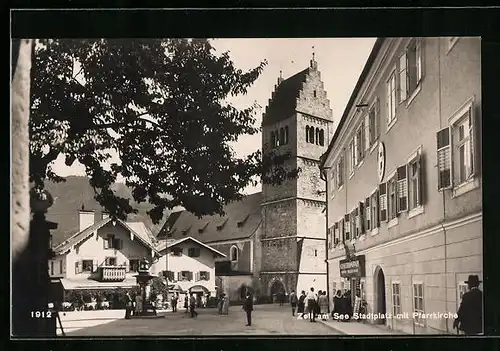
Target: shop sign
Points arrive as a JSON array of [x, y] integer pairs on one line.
[[352, 267]]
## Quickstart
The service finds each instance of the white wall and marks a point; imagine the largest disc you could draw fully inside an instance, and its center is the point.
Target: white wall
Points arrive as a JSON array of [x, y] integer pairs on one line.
[[93, 249], [206, 262]]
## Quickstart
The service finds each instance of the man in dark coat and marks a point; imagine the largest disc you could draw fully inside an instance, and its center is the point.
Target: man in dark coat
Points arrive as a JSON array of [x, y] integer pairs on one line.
[[470, 313], [248, 307]]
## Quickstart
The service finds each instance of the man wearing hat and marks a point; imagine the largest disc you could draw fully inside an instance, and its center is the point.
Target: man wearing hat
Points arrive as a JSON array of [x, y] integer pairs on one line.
[[470, 313]]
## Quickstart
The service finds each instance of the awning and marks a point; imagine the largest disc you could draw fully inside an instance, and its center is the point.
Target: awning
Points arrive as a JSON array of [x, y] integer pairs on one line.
[[83, 284], [198, 288]]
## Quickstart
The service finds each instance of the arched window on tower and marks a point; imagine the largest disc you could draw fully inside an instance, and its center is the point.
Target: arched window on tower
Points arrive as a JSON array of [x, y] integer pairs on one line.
[[311, 135], [273, 139], [322, 137], [233, 254], [282, 136], [286, 134], [317, 136], [307, 134]]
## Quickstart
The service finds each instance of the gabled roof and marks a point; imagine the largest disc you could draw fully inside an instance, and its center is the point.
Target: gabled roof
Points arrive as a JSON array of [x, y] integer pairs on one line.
[[236, 212], [77, 238], [177, 242], [284, 102]]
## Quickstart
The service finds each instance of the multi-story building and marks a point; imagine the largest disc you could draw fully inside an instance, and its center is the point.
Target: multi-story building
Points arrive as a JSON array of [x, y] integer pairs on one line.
[[103, 254], [281, 231], [403, 175], [188, 264]]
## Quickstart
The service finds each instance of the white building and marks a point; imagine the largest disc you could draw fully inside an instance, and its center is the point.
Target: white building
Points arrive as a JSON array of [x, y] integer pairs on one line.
[[188, 263]]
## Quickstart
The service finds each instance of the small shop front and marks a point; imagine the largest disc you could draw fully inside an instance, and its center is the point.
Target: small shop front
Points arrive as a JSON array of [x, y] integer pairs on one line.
[[353, 270]]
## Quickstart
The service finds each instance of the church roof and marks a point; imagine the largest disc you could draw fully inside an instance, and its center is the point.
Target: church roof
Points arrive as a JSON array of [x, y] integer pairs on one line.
[[284, 102], [240, 221]]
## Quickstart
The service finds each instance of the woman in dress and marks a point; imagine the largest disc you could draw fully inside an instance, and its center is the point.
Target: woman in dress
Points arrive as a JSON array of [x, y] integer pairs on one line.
[[323, 305], [225, 305], [337, 305]]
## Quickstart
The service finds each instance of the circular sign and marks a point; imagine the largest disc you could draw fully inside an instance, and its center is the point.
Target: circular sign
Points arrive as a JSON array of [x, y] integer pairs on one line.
[[381, 161]]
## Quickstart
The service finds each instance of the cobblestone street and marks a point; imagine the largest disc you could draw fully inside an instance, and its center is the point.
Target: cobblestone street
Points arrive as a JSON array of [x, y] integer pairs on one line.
[[266, 320]]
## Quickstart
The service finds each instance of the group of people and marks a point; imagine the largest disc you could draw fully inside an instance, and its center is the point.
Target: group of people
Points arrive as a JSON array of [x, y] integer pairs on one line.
[[223, 304]]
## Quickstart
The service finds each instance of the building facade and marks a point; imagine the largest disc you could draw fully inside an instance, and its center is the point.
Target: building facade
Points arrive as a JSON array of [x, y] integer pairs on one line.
[[275, 240], [404, 185], [189, 264]]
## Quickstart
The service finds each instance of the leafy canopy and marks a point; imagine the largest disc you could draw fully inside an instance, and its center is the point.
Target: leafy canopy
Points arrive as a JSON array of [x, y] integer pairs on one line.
[[161, 105]]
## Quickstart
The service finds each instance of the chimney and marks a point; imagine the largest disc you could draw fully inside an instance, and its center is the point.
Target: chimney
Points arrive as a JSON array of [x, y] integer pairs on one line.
[[86, 218]]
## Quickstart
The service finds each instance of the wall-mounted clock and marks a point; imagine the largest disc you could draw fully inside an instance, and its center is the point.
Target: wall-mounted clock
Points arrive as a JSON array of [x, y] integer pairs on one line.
[[381, 161]]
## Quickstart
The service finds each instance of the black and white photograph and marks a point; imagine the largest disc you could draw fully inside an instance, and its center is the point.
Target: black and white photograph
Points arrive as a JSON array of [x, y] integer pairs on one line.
[[247, 187]]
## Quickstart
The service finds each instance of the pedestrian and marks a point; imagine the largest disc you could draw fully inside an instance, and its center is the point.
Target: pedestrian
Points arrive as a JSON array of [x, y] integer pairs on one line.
[[220, 301], [186, 303], [316, 306], [323, 305], [293, 301], [470, 312], [225, 304], [128, 305], [301, 304], [311, 299], [138, 304], [281, 297], [248, 308], [174, 300], [192, 305], [347, 306], [337, 305]]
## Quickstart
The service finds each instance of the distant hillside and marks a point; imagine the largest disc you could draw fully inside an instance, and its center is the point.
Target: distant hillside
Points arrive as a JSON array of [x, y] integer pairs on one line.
[[69, 197]]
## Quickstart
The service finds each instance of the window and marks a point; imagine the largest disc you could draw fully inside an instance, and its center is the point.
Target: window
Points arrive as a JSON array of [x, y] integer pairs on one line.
[[185, 276], [361, 218], [354, 220], [51, 267], [110, 261], [88, 266], [371, 124], [194, 252], [359, 143], [317, 136], [286, 135], [396, 298], [382, 190], [456, 150], [340, 172], [314, 93], [391, 100], [282, 136], [336, 234], [402, 189], [233, 253], [311, 135], [332, 185], [418, 302], [392, 197], [330, 234], [307, 134], [133, 265], [414, 183], [322, 137], [113, 243], [368, 215], [347, 229], [374, 208], [315, 253], [169, 275], [403, 72], [176, 251], [352, 156], [414, 66], [203, 275], [61, 267]]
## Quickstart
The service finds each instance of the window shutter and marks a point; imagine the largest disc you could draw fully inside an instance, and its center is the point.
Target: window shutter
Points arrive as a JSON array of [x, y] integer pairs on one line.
[[347, 229], [444, 158], [402, 189], [377, 118], [362, 144], [383, 202], [367, 215], [387, 103], [420, 180], [377, 207], [403, 86], [197, 276], [342, 229], [418, 49], [362, 217], [472, 137]]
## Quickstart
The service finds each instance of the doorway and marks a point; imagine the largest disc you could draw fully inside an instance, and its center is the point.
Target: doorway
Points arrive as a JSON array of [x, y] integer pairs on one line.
[[380, 295], [277, 290]]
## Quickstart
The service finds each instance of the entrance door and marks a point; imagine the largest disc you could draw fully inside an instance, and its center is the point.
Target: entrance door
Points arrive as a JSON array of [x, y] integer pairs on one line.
[[277, 289], [381, 308]]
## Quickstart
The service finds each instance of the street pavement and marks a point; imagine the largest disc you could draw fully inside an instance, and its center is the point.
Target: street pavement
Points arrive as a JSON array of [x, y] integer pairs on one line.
[[266, 320]]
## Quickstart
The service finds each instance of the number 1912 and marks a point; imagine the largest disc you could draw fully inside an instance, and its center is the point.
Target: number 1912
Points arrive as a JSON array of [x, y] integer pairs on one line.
[[41, 314]]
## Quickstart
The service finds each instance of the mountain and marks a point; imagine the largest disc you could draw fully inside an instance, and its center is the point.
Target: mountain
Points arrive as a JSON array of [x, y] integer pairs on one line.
[[70, 196]]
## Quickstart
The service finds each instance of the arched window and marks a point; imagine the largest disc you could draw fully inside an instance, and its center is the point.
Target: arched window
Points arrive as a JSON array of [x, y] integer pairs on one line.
[[322, 137], [315, 93], [307, 134], [311, 135], [282, 136], [273, 139], [317, 136], [233, 254], [286, 135]]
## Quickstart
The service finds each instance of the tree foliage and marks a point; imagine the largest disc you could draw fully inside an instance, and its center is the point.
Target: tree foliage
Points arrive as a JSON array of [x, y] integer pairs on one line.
[[161, 105]]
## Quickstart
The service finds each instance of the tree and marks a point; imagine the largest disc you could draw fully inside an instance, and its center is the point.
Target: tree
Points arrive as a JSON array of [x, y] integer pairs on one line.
[[161, 105]]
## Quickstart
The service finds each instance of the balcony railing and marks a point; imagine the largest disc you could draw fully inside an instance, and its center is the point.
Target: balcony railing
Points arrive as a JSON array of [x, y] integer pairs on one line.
[[111, 273]]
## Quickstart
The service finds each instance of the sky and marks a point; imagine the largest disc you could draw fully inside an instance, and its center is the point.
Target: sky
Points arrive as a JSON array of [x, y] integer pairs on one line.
[[340, 61]]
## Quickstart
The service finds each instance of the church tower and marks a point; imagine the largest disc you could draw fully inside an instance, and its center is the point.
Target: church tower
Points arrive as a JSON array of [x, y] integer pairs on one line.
[[293, 238]]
